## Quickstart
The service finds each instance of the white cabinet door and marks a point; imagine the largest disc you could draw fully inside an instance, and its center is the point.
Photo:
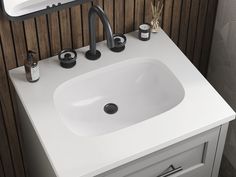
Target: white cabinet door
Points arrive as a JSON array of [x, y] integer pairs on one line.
[[193, 157]]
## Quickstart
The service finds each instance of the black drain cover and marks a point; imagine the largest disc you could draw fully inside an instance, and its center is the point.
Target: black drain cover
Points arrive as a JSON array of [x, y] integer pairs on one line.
[[110, 108]]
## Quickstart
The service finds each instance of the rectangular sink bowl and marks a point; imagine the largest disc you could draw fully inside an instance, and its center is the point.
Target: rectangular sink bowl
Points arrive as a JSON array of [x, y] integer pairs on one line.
[[117, 96]]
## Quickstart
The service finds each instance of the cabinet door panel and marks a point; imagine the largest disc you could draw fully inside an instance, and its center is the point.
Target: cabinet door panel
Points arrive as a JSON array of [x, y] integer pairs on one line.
[[195, 156]]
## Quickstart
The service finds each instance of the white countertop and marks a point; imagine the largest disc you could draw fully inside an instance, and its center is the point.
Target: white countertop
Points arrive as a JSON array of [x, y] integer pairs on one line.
[[74, 156]]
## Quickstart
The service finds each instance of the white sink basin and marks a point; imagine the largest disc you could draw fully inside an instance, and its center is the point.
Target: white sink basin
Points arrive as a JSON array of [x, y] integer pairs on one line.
[[138, 89]]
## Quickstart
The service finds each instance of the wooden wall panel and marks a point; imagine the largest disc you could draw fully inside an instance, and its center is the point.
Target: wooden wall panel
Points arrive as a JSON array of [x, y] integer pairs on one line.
[[207, 36], [148, 11], [54, 33], [129, 15], [31, 36], [99, 25], [109, 10], [65, 27], [176, 17], [2, 173], [199, 33], [119, 12], [192, 28], [167, 15], [76, 27], [7, 108], [5, 154], [19, 38], [189, 23], [43, 37], [85, 10], [139, 13], [185, 13]]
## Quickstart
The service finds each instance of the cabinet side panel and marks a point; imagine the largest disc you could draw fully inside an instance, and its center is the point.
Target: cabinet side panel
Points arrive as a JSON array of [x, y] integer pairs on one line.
[[38, 164]]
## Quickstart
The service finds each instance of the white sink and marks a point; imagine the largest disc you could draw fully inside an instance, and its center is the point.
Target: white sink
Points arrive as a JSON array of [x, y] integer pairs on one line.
[[147, 81], [137, 89]]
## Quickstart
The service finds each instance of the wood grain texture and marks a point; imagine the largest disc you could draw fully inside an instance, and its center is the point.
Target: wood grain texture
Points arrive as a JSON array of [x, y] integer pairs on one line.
[[76, 27], [54, 33], [31, 36], [4, 145], [129, 15], [65, 27], [5, 154], [199, 33], [192, 28], [189, 23], [99, 26], [167, 15], [183, 33], [148, 11], [207, 36], [19, 38], [10, 147], [176, 17], [139, 13], [7, 42], [43, 37], [119, 16], [2, 173], [85, 11], [109, 10]]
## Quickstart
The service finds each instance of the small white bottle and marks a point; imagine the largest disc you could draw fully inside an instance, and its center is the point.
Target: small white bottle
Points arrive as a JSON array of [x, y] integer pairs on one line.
[[31, 67]]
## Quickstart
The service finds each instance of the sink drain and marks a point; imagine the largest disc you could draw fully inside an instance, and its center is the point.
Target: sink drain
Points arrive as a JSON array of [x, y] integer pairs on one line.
[[110, 108]]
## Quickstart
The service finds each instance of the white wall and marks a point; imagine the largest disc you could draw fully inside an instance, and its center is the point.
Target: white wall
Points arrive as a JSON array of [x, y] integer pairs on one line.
[[222, 66]]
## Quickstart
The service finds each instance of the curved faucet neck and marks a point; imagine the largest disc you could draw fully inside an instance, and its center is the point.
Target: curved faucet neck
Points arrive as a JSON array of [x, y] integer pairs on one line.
[[92, 28]]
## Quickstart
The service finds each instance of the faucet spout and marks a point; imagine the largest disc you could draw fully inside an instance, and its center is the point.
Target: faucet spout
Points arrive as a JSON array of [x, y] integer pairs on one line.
[[94, 54]]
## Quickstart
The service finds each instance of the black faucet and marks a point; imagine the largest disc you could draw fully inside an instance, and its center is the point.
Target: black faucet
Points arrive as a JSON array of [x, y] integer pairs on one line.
[[114, 42]]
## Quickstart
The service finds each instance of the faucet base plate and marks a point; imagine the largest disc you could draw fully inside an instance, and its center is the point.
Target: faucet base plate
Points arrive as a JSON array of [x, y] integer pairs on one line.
[[118, 49], [90, 56]]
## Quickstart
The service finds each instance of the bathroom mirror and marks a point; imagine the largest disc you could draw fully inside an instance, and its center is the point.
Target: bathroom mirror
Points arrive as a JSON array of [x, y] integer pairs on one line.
[[22, 9]]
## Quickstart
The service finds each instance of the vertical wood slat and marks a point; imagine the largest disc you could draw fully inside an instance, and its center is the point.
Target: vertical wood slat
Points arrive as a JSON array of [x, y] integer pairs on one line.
[[119, 16], [148, 11], [192, 27], [108, 9], [167, 16], [19, 38], [184, 24], [4, 150], [99, 26], [8, 54], [139, 13], [76, 27], [54, 33], [85, 10], [7, 45], [2, 173], [199, 34], [4, 146], [43, 37], [31, 36], [65, 26], [176, 17], [129, 15], [207, 36]]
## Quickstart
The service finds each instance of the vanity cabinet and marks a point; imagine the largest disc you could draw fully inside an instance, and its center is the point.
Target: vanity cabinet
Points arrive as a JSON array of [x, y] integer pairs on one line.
[[193, 157], [60, 131]]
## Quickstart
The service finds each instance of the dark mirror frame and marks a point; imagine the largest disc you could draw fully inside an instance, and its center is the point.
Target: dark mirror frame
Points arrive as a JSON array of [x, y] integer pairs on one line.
[[41, 12]]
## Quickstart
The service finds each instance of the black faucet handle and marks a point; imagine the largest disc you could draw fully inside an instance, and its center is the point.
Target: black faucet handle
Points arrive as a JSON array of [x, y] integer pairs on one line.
[[120, 41], [67, 58]]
